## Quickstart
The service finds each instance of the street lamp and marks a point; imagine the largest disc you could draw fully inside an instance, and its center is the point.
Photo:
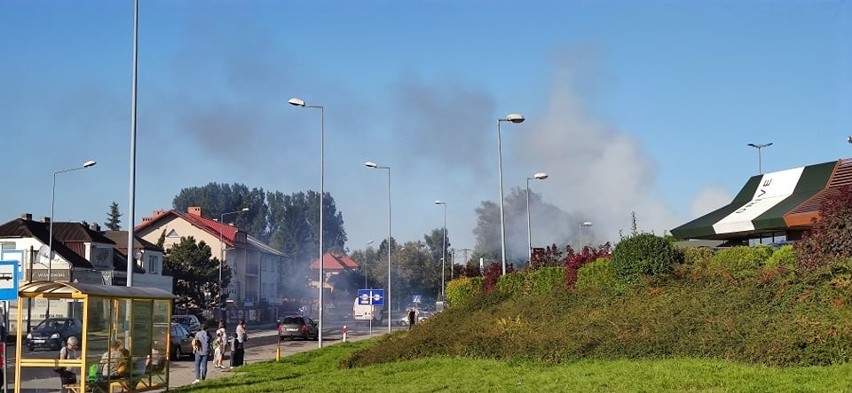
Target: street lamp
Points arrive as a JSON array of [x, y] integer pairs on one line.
[[222, 260], [514, 118], [373, 165], [759, 158], [444, 248], [365, 264], [131, 206], [537, 176], [584, 224], [300, 103], [85, 165]]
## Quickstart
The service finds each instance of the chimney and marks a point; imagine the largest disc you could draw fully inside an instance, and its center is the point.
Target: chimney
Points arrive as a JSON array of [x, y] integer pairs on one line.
[[45, 220], [195, 211], [95, 227], [27, 217]]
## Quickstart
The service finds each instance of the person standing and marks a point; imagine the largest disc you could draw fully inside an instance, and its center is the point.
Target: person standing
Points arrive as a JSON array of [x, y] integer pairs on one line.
[[201, 347], [219, 346], [67, 377], [240, 338], [412, 318]]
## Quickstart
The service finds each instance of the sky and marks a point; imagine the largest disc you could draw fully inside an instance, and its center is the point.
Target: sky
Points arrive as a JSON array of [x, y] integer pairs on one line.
[[641, 107]]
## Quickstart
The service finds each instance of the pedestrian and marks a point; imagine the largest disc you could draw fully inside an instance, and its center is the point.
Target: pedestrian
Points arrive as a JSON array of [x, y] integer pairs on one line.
[[219, 346], [201, 347], [66, 376], [237, 351], [411, 318]]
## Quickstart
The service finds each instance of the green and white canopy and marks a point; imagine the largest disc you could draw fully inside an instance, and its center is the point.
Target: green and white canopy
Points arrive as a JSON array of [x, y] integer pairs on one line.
[[776, 201]]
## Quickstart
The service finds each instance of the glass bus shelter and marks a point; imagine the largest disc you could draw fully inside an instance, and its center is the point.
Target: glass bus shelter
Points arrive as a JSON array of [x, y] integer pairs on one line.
[[123, 338]]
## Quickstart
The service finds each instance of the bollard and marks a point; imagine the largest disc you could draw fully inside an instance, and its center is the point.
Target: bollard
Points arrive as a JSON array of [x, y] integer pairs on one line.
[[345, 330]]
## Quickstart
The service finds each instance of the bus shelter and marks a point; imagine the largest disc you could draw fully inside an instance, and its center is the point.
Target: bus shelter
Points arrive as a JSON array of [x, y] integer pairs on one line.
[[123, 337]]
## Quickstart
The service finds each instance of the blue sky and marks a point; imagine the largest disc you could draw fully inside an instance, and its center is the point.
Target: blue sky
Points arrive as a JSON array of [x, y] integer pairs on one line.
[[630, 106]]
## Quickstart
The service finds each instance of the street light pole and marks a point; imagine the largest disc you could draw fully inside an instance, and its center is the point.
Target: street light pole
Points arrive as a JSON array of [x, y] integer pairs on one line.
[[131, 208], [300, 103], [365, 264], [222, 261], [514, 118], [444, 248], [583, 224], [373, 165], [759, 158], [537, 176], [85, 165]]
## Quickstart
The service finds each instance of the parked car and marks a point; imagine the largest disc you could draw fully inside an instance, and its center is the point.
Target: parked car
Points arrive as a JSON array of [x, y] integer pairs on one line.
[[181, 342], [189, 321], [51, 333], [293, 326]]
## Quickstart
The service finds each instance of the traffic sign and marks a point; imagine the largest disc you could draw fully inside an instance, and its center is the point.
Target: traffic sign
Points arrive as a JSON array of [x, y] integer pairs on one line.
[[8, 280], [374, 297]]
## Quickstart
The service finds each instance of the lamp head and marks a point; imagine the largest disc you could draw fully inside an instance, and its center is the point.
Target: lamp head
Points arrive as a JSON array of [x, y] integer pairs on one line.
[[850, 139], [515, 118], [440, 202], [587, 223], [541, 176], [371, 164], [89, 163], [245, 209], [296, 102]]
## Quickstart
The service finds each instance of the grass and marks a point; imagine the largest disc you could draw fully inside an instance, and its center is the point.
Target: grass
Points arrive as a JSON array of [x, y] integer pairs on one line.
[[318, 371]]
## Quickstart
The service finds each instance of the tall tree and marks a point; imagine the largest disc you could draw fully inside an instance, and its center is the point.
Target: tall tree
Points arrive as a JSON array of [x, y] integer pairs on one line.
[[113, 218], [294, 225], [417, 273], [216, 199], [196, 274]]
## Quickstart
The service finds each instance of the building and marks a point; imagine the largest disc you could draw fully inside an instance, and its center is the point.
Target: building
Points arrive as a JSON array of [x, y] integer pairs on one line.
[[81, 253], [256, 268], [333, 264], [773, 207]]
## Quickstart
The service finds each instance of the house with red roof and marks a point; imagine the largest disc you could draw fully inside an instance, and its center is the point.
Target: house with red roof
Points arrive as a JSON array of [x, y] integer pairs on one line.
[[255, 267]]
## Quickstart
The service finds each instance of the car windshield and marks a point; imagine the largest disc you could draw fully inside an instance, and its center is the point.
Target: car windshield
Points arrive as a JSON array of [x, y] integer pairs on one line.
[[54, 324]]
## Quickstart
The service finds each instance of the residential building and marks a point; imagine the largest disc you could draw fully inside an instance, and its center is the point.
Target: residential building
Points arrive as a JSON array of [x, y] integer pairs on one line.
[[80, 253], [256, 268]]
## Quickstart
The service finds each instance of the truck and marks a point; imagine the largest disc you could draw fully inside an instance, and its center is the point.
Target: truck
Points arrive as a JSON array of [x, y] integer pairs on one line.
[[367, 312]]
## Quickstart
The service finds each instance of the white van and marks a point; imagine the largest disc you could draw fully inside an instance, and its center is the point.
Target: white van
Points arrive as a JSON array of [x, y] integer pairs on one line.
[[366, 312]]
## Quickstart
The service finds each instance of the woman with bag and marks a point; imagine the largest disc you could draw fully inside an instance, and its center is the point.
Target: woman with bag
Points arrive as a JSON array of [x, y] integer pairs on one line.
[[67, 377], [219, 347]]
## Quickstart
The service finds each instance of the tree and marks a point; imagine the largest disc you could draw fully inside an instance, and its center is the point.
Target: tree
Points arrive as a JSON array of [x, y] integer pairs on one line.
[[196, 274], [113, 218], [216, 199], [294, 225]]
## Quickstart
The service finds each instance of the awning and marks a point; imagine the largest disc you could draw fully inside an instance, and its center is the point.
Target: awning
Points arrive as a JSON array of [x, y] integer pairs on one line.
[[776, 201]]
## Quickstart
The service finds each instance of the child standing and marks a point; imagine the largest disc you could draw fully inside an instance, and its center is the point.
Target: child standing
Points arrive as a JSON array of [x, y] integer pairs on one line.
[[219, 347]]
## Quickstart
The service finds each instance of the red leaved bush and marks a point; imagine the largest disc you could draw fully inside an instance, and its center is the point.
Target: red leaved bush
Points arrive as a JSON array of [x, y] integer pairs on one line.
[[831, 236], [492, 274], [574, 261]]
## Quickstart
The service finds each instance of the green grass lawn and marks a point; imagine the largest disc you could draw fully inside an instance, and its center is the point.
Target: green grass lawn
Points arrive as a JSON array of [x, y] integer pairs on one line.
[[318, 371]]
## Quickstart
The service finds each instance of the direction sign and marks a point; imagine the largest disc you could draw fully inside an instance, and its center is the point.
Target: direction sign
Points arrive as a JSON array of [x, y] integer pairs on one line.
[[374, 297]]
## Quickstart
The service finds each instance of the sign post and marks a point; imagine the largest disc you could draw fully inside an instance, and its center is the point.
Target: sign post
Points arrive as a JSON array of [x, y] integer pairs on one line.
[[371, 297], [8, 291]]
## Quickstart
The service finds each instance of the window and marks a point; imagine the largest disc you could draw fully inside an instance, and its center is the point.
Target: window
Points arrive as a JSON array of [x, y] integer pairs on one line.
[[173, 233], [7, 245]]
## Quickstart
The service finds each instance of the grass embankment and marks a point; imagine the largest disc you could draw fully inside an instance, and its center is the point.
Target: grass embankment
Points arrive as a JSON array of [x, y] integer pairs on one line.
[[318, 371]]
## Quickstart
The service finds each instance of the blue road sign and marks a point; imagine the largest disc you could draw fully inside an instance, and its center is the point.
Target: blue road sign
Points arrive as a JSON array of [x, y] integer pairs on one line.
[[374, 297], [8, 280]]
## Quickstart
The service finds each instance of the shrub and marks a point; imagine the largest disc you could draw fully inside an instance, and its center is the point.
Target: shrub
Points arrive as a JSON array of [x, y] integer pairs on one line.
[[512, 284], [741, 260], [574, 261], [545, 280], [597, 277], [641, 254], [463, 290], [697, 256], [831, 236], [783, 257]]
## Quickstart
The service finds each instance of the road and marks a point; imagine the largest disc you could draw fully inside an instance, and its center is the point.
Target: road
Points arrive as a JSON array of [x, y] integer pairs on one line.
[[261, 346]]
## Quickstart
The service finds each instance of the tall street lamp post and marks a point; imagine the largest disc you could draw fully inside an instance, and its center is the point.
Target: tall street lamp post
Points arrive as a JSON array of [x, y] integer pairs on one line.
[[444, 248], [85, 165], [373, 165], [759, 158], [222, 261], [583, 224], [131, 207], [300, 103], [537, 176], [365, 264], [513, 118]]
